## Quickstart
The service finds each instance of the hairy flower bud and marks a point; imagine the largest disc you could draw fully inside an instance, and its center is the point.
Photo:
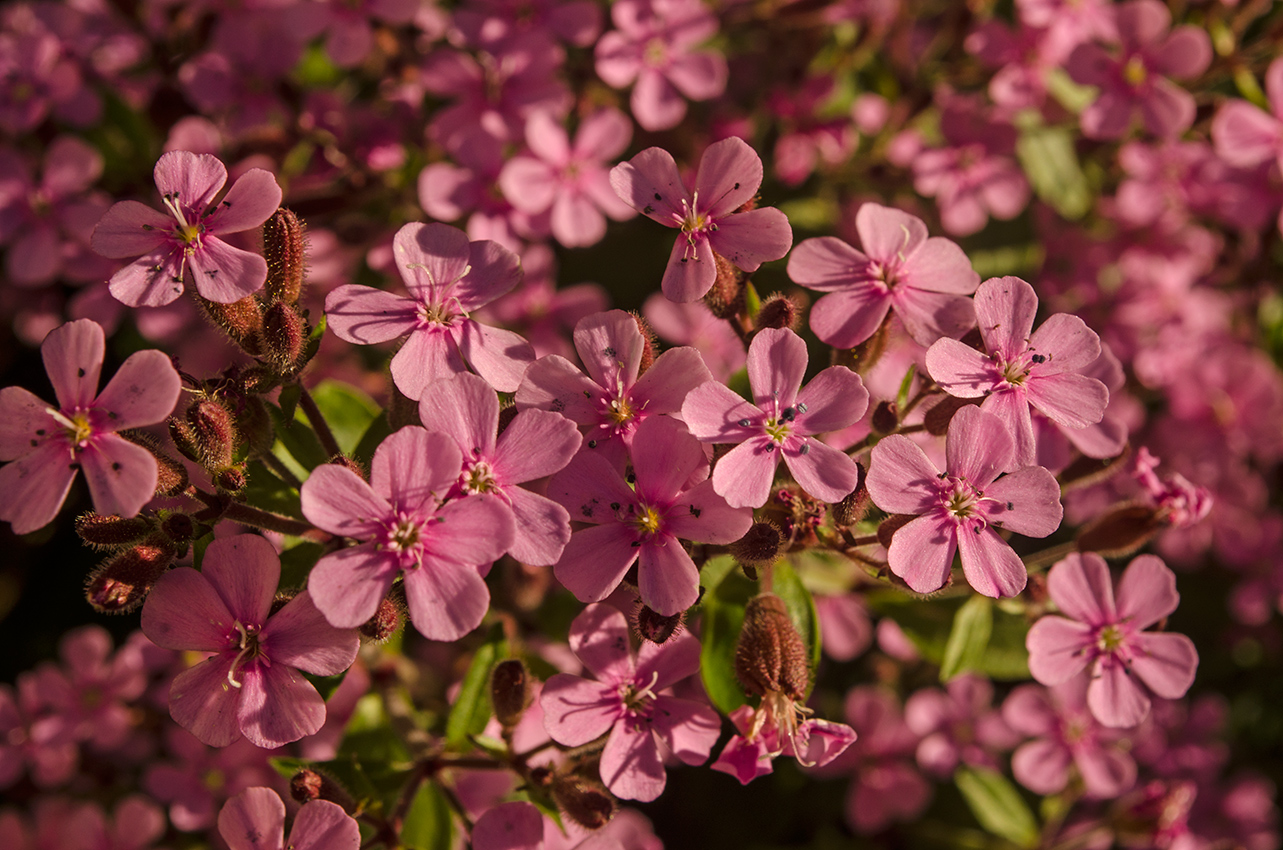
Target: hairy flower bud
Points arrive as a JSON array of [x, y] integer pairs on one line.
[[284, 248], [283, 336], [178, 527], [510, 692], [649, 344], [213, 432], [726, 297], [885, 417], [121, 583], [584, 801], [171, 475], [889, 526], [760, 545], [1121, 531], [240, 320], [231, 479], [657, 628], [308, 785], [112, 531], [351, 464], [255, 424], [853, 506], [770, 657], [779, 311], [389, 617], [937, 419]]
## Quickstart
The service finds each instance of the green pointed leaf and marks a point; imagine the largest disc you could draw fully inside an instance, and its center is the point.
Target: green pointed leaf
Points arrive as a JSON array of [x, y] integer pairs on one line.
[[264, 490], [288, 399], [1048, 157], [928, 624], [428, 823], [997, 805], [304, 450], [723, 617], [968, 638], [801, 608], [471, 710]]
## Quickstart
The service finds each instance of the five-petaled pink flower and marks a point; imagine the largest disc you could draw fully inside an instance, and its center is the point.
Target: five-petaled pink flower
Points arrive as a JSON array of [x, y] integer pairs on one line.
[[448, 277], [251, 685], [1102, 633], [48, 444], [780, 425], [729, 175], [963, 508], [644, 724], [188, 238], [1018, 370], [535, 444], [255, 820], [403, 528], [925, 280], [1246, 135], [644, 523]]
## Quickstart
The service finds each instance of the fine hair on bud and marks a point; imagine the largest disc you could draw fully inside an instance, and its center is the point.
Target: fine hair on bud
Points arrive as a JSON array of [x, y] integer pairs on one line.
[[285, 250], [283, 336], [655, 627], [255, 424], [112, 531], [387, 619], [584, 801], [232, 479], [121, 583], [351, 464], [760, 545], [853, 506], [241, 321], [650, 346], [726, 297], [510, 691], [770, 656], [779, 311], [936, 420], [213, 433], [309, 784]]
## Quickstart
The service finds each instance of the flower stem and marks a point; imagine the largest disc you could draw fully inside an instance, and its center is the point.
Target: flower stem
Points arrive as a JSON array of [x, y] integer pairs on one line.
[[248, 515], [1041, 560], [317, 420], [279, 469]]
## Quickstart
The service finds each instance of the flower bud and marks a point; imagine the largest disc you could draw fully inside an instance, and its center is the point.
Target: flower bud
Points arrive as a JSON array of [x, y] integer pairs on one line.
[[760, 545], [121, 583], [1121, 531], [112, 531], [283, 336], [770, 656], [351, 464], [649, 344], [726, 297], [308, 785], [231, 479], [779, 311], [506, 415], [657, 628], [213, 432], [402, 410], [240, 320], [171, 475], [885, 417], [510, 691], [584, 801], [889, 526], [178, 527], [387, 619], [853, 506], [184, 437], [284, 248]]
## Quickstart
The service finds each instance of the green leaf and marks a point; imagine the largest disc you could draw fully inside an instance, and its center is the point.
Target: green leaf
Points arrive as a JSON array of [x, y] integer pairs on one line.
[[298, 440], [325, 685], [723, 618], [471, 710], [968, 638], [801, 608], [997, 805], [374, 435], [817, 214], [264, 490], [1006, 657], [428, 825], [752, 301], [297, 562], [902, 395], [288, 399], [348, 411], [1048, 157], [929, 623]]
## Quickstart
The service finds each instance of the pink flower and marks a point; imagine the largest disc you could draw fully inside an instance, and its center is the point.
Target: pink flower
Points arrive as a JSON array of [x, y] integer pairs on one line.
[[1181, 502], [136, 823], [1018, 370], [653, 44], [780, 424], [491, 24], [448, 277], [1126, 664], [644, 524], [1135, 80], [188, 238], [957, 726], [925, 280], [1065, 735], [48, 445], [963, 508], [692, 323], [255, 820], [198, 779], [645, 725], [729, 175], [611, 401], [1246, 135], [404, 529], [751, 753], [251, 684], [570, 179], [535, 444]]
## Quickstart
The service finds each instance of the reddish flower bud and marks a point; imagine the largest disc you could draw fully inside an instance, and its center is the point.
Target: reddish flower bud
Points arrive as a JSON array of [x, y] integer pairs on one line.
[[178, 527], [1121, 531], [213, 432], [184, 437], [889, 526], [726, 297], [389, 617], [760, 545], [937, 419], [351, 464], [112, 531], [171, 475], [231, 479], [284, 248], [770, 657], [506, 415], [255, 424], [854, 506], [122, 582], [510, 692], [240, 320], [650, 345], [308, 785], [657, 628], [779, 311], [283, 336], [885, 417], [584, 801]]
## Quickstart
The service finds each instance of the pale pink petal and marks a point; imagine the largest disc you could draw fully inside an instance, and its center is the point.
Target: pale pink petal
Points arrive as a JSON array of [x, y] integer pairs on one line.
[[990, 564], [1146, 592], [1016, 429], [508, 826], [278, 705], [34, 486], [691, 269], [183, 611], [576, 222], [542, 527], [649, 182], [1005, 309], [1067, 343], [1109, 117], [193, 179], [1057, 649], [224, 274], [337, 500], [474, 530], [245, 570], [665, 456], [152, 280], [887, 233], [939, 265], [1029, 711], [1106, 773], [846, 319], [751, 238], [713, 411], [535, 443], [348, 585], [822, 471], [493, 270], [1042, 766], [1166, 663], [667, 578], [631, 765], [730, 173], [1168, 110], [827, 264], [743, 476], [1083, 590], [577, 711], [1115, 698], [1027, 502], [655, 102], [143, 391], [202, 702], [1246, 135], [414, 468], [129, 229], [465, 408], [253, 820], [930, 316], [776, 364], [901, 477], [689, 729], [73, 358], [1070, 400], [744, 760], [587, 486], [23, 418], [322, 825], [703, 516], [299, 636], [977, 447], [595, 560], [363, 315], [430, 257], [700, 75], [446, 599], [674, 374], [599, 638], [921, 552], [603, 135], [251, 201], [962, 371], [554, 383], [610, 346], [833, 399], [430, 354], [121, 475], [497, 355], [1274, 86]]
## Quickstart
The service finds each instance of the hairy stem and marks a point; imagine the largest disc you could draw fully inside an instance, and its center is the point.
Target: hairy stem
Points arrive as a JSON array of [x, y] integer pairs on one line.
[[317, 420]]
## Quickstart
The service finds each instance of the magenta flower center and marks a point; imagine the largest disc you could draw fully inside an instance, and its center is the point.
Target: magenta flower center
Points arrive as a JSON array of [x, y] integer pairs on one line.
[[436, 314], [1015, 371], [885, 274]]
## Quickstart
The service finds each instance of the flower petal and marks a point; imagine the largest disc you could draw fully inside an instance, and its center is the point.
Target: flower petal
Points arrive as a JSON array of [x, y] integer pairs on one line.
[[121, 475], [610, 346], [493, 270], [691, 269], [554, 383], [253, 820], [730, 173], [1082, 589], [430, 354], [322, 825], [1146, 592], [499, 356], [34, 486], [251, 201], [701, 515], [225, 274], [743, 476], [24, 422], [888, 234], [185, 612], [777, 361], [337, 500], [299, 636], [465, 408], [901, 477], [576, 710], [431, 258], [689, 729], [446, 599], [129, 229], [536, 443], [827, 264], [1057, 649], [245, 570], [414, 468], [143, 391], [1115, 698], [599, 638], [152, 280], [73, 356], [191, 179], [673, 375], [278, 706], [541, 527], [201, 702], [1026, 501], [348, 585], [921, 552], [667, 578], [631, 765], [649, 182], [751, 238], [991, 566], [822, 471], [1005, 309], [833, 399], [595, 560], [1166, 663], [363, 315], [665, 456]]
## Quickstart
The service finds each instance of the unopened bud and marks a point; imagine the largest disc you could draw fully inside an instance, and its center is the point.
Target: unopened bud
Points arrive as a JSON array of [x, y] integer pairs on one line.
[[350, 464], [388, 617], [506, 415], [649, 344], [584, 801], [885, 417], [308, 785], [284, 248], [937, 419], [402, 410], [770, 656], [760, 545], [280, 600], [1121, 531], [184, 437], [283, 336], [853, 506], [510, 691], [99, 530], [240, 320], [214, 433], [231, 479], [178, 527], [779, 311], [726, 297], [122, 582], [655, 627]]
